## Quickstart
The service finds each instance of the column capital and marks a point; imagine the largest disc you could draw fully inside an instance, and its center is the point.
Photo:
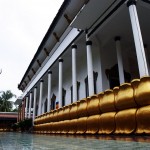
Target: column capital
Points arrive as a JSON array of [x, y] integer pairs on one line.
[[41, 80], [31, 92], [61, 60], [131, 2], [74, 46], [49, 72], [117, 38], [35, 87], [88, 42]]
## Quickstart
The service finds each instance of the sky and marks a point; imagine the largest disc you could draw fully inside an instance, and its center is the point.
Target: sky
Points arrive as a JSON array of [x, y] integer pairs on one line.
[[23, 24]]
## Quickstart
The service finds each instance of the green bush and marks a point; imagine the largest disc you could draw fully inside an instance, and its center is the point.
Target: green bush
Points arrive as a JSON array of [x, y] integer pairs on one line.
[[24, 125]]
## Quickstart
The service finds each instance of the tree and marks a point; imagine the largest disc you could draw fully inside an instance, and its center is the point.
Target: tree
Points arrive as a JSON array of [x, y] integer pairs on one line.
[[5, 104]]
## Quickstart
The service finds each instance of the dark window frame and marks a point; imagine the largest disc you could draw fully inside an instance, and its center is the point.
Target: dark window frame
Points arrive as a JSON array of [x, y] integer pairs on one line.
[[95, 75]]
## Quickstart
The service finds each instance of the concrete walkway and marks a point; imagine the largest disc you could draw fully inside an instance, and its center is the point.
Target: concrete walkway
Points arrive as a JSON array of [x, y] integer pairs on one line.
[[19, 141]]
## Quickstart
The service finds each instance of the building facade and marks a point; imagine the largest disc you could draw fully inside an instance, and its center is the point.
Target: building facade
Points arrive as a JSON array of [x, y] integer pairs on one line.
[[91, 46]]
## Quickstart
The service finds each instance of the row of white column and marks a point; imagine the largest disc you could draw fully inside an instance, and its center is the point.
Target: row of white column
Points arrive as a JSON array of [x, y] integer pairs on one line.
[[60, 86], [142, 64]]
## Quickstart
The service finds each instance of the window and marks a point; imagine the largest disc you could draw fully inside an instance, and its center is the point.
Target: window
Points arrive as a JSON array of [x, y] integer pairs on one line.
[[113, 76], [63, 96], [53, 100], [45, 105]]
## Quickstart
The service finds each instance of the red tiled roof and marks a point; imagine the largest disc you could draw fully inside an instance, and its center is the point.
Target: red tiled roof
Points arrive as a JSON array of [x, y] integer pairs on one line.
[[6, 115]]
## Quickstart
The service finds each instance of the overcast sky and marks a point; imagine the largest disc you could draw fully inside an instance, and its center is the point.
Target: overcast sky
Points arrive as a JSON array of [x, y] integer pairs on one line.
[[23, 24]]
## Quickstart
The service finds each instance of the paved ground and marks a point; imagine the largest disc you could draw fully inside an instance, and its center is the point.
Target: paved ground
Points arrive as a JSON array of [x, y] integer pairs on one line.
[[19, 141]]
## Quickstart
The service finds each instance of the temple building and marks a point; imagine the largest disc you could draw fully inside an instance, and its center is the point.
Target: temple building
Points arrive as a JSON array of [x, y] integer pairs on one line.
[[91, 46]]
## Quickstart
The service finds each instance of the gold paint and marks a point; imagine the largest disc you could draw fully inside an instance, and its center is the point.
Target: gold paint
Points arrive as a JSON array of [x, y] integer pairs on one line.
[[46, 128], [49, 127], [93, 124], [44, 118], [126, 121], [60, 114], [107, 123], [54, 116], [107, 101], [66, 112], [41, 128], [49, 117], [143, 120], [65, 126], [115, 90], [82, 108], [73, 111], [40, 120], [93, 105], [58, 127], [81, 125], [73, 126], [54, 127], [143, 92], [135, 84], [125, 98]]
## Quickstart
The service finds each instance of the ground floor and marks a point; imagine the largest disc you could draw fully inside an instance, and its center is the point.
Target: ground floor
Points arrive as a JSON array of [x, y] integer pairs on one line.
[[55, 142]]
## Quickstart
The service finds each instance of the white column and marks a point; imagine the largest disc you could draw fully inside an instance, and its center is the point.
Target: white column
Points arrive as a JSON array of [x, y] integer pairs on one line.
[[26, 111], [49, 90], [120, 60], [142, 64], [74, 73], [40, 98], [147, 59], [60, 82], [30, 101], [90, 67], [34, 103]]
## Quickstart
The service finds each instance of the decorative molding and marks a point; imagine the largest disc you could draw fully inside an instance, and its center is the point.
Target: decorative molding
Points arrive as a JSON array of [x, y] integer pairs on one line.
[[33, 71], [39, 63], [41, 80], [117, 38], [74, 46], [67, 18], [88, 42], [49, 72], [46, 52], [29, 78], [56, 36], [131, 2], [61, 60]]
